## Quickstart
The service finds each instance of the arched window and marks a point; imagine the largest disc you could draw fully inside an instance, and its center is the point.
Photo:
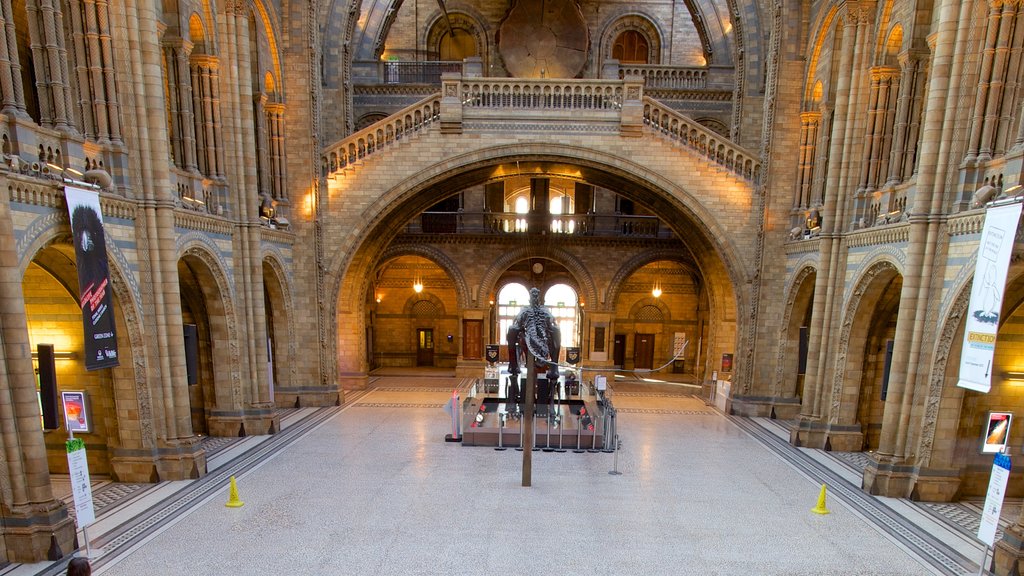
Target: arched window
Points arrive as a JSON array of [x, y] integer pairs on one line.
[[631, 48], [456, 46], [511, 299], [562, 302]]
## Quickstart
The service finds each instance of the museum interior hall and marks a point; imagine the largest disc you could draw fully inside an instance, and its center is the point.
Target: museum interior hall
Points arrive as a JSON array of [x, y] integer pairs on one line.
[[645, 273]]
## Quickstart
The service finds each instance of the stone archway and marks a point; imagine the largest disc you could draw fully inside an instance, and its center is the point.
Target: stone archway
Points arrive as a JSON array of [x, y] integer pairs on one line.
[[366, 234]]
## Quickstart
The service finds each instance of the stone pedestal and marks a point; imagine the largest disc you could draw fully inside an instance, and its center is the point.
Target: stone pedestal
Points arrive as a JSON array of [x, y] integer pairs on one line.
[[884, 477], [314, 396], [37, 532], [1009, 552], [248, 422]]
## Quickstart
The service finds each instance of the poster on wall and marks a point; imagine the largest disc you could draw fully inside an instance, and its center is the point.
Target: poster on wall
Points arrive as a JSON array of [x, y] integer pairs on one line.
[[987, 297], [997, 432], [93, 278], [76, 414], [726, 362]]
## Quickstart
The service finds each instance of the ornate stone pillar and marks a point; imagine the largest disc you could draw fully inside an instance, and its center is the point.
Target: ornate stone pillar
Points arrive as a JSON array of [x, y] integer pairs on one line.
[[10, 68], [907, 127], [206, 107], [808, 430], [892, 469], [31, 515], [810, 123], [275, 133], [50, 54]]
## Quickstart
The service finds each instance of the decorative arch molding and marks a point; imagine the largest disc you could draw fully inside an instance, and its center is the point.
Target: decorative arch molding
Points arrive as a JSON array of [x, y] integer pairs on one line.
[[666, 314], [948, 333], [715, 125], [805, 269], [200, 249], [461, 19], [629, 267], [646, 26], [410, 303], [463, 297], [266, 13], [822, 25], [866, 281], [126, 290], [570, 261], [275, 260], [46, 230], [190, 240], [896, 257]]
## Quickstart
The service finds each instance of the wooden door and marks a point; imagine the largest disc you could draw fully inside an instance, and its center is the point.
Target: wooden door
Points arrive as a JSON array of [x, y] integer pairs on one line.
[[472, 339], [643, 351], [424, 346], [619, 350]]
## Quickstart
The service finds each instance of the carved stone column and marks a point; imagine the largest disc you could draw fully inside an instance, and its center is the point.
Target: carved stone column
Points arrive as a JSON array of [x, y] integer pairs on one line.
[[907, 127], [50, 55], [810, 123], [13, 93], [809, 429], [31, 516], [275, 135]]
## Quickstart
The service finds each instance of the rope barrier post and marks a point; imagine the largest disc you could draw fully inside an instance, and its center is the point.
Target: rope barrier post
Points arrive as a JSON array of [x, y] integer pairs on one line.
[[531, 374], [579, 433], [615, 459], [501, 428]]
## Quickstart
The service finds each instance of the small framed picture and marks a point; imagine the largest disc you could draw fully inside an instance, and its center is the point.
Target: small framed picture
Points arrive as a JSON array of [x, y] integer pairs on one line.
[[76, 412], [997, 432]]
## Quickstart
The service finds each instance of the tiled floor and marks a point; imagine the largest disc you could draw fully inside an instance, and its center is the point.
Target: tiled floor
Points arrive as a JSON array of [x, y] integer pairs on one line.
[[372, 488]]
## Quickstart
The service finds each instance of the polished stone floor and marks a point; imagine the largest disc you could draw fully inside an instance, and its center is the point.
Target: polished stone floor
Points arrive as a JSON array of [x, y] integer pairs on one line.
[[371, 487]]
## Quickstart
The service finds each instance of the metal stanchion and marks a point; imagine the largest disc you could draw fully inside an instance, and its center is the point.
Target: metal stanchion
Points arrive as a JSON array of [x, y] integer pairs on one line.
[[520, 447], [593, 440], [536, 432], [615, 460], [561, 426], [501, 428], [579, 433], [609, 427]]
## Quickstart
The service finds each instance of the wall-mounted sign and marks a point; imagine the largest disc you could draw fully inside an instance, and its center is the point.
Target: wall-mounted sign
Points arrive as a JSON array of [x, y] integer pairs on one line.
[[491, 352], [76, 414], [997, 432]]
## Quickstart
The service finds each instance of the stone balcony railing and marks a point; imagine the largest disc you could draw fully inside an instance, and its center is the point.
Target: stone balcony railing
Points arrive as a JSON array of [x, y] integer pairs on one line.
[[614, 102], [613, 225]]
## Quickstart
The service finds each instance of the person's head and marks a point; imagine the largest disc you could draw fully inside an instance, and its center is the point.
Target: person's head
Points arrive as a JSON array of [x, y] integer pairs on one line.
[[79, 567], [535, 296]]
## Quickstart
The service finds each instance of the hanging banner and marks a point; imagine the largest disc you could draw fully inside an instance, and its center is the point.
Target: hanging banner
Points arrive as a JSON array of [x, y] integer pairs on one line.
[[987, 297], [93, 278]]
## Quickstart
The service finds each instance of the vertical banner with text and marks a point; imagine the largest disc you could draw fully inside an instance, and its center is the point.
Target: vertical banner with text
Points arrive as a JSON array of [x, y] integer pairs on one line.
[[987, 297], [93, 278], [81, 484]]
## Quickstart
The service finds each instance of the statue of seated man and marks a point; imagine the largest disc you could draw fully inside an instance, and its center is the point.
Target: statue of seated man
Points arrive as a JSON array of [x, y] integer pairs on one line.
[[534, 331]]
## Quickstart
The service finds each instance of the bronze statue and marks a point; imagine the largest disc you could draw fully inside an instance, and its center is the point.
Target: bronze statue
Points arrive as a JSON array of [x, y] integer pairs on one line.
[[534, 331]]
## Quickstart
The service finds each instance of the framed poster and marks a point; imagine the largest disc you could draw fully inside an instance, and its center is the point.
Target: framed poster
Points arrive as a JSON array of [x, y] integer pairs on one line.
[[997, 432], [76, 413], [726, 362]]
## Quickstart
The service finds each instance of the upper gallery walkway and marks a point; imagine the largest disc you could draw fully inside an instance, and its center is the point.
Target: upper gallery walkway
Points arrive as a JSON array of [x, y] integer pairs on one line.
[[371, 487], [481, 104]]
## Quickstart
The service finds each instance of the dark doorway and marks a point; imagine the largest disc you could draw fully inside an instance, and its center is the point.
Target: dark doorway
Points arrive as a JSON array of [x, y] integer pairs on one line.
[[643, 351], [424, 346], [619, 350]]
